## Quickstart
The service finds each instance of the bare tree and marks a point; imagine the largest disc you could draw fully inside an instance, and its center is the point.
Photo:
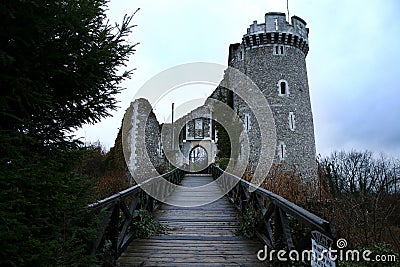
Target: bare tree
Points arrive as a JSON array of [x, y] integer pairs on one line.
[[365, 191]]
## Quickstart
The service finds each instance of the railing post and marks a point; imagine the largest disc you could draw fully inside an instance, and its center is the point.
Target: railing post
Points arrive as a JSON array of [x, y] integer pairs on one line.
[[151, 201], [278, 229], [286, 230], [114, 231]]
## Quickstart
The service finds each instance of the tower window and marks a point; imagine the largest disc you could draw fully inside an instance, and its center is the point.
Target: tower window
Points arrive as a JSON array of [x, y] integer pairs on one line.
[[283, 88], [247, 122], [241, 55], [279, 50], [292, 122], [282, 151], [159, 149]]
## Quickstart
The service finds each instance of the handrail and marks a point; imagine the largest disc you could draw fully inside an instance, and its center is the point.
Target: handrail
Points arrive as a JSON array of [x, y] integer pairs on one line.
[[276, 212], [128, 191], [115, 215], [112, 198], [291, 208]]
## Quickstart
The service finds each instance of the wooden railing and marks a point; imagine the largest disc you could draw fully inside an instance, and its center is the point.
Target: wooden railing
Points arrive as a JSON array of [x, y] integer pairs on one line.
[[115, 214], [284, 225]]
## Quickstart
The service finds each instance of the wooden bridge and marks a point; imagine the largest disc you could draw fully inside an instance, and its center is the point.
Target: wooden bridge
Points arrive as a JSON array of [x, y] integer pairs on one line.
[[198, 236], [203, 235]]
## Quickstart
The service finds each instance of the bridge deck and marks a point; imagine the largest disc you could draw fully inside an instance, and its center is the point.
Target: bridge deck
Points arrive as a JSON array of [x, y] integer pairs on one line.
[[198, 236]]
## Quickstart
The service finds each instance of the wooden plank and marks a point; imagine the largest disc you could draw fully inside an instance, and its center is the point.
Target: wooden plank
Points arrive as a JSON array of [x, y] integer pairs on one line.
[[193, 247], [196, 236], [176, 264]]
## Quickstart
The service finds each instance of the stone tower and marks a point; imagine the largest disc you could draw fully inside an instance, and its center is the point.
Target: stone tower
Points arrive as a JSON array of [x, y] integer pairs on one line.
[[273, 55]]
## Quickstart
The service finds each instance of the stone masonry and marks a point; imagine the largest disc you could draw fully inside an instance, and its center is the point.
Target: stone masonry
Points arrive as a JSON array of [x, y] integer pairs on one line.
[[142, 141], [273, 54]]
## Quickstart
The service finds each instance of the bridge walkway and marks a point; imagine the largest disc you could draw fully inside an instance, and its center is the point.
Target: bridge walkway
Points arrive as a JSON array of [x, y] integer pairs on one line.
[[195, 236]]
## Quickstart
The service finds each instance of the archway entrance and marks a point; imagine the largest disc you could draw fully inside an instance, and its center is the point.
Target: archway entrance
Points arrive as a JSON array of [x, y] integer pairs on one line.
[[198, 159]]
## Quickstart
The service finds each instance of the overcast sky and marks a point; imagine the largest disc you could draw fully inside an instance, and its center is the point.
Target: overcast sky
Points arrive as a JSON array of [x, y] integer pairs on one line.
[[353, 63]]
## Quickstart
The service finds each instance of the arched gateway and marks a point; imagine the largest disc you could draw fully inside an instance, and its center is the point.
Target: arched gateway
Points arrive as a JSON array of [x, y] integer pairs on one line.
[[198, 159]]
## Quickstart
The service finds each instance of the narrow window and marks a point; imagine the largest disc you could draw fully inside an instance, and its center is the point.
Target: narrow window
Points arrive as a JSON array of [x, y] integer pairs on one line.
[[283, 88], [282, 151], [279, 50], [276, 24], [247, 122], [241, 55], [212, 128], [292, 122]]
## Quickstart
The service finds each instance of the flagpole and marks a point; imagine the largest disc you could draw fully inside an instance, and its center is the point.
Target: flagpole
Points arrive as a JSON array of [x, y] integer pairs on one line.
[[287, 6]]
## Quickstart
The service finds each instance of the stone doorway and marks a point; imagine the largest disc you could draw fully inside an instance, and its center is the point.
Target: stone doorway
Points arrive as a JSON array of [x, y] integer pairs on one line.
[[198, 159]]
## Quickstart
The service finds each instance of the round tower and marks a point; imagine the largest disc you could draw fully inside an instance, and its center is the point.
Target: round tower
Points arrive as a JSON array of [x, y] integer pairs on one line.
[[273, 55]]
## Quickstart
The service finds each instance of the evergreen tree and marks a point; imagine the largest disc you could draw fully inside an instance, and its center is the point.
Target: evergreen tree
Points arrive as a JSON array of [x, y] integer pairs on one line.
[[59, 69]]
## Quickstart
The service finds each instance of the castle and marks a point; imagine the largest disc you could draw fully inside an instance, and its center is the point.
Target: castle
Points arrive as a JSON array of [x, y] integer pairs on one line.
[[272, 54]]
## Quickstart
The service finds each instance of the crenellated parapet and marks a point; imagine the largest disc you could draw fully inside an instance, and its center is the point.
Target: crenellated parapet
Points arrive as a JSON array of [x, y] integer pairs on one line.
[[276, 30]]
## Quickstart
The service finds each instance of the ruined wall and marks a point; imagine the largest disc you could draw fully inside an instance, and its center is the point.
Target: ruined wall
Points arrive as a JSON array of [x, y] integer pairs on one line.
[[141, 141]]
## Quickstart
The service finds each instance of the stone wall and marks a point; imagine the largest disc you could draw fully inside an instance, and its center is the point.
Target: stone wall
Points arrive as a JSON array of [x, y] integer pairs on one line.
[[141, 141]]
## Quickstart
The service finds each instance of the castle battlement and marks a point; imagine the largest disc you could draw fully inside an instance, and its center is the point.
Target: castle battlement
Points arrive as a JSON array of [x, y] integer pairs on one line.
[[276, 30]]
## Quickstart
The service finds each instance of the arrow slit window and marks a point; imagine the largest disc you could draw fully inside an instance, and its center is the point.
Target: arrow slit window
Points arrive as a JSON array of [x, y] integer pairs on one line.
[[292, 122], [247, 122], [282, 151]]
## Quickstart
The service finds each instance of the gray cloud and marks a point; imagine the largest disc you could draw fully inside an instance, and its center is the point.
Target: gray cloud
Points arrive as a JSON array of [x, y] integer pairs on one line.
[[353, 64]]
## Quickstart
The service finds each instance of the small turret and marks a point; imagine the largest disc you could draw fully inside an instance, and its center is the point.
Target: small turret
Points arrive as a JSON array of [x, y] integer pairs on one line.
[[276, 30]]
